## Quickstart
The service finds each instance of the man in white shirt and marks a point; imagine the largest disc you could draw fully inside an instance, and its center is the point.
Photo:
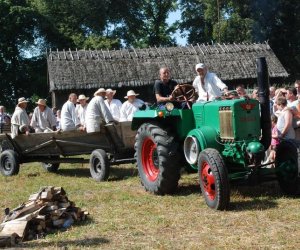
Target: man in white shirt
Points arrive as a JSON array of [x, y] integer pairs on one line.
[[69, 120], [20, 123], [43, 119], [113, 105], [130, 106], [207, 85], [97, 112], [81, 109]]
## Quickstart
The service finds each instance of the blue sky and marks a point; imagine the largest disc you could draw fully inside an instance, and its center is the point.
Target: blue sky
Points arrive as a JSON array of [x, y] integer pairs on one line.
[[173, 17]]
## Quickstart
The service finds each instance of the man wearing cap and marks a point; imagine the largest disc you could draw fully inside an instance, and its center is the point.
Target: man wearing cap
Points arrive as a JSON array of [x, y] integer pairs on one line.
[[113, 105], [69, 120], [81, 109], [207, 85], [20, 123], [43, 119], [130, 106], [164, 87], [97, 112]]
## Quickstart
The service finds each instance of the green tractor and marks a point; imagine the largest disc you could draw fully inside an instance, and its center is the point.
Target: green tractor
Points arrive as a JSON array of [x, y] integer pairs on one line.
[[224, 140]]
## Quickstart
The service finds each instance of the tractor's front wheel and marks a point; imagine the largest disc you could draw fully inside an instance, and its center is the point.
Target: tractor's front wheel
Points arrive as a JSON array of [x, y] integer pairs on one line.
[[157, 159], [286, 164], [213, 179]]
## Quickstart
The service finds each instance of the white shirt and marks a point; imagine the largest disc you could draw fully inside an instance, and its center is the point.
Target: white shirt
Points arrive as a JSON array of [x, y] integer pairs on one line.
[[114, 107], [42, 120], [69, 120], [81, 112], [128, 109], [210, 89], [18, 119], [96, 113]]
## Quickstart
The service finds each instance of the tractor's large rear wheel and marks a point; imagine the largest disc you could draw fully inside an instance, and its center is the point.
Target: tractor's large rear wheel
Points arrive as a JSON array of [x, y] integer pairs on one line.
[[286, 164], [213, 179], [156, 155]]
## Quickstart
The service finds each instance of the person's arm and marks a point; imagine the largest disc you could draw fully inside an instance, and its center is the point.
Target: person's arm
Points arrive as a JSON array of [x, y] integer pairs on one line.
[[160, 98], [288, 117]]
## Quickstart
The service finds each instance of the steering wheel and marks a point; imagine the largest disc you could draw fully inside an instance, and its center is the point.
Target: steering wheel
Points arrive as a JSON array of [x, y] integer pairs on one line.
[[183, 92]]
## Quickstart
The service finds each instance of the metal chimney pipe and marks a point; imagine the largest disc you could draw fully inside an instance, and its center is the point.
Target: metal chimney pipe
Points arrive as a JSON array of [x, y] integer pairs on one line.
[[263, 95]]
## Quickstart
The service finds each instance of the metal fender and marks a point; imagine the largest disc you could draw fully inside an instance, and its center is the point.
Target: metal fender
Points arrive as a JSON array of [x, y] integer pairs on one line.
[[197, 140]]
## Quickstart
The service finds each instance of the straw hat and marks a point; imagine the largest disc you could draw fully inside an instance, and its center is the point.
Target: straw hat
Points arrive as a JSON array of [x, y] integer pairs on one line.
[[82, 97], [101, 90], [131, 93], [111, 91], [41, 102], [22, 100], [200, 66]]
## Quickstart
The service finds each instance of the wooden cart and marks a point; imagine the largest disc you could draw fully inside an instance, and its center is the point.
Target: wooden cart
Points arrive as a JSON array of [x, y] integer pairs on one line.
[[114, 144]]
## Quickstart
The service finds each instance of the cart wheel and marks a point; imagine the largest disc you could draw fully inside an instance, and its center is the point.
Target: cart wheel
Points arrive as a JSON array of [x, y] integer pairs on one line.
[[9, 164], [213, 179], [99, 165]]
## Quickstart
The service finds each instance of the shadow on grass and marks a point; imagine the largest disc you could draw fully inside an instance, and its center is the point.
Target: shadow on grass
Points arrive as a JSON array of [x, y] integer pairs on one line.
[[65, 244], [74, 172], [262, 196], [185, 190], [116, 173], [243, 196]]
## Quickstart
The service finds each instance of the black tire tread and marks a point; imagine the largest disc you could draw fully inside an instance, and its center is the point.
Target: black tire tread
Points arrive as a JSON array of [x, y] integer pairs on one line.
[[221, 178], [168, 164]]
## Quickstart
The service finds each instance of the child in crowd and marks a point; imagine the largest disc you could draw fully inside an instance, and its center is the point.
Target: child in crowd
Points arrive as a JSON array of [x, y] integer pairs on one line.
[[275, 140]]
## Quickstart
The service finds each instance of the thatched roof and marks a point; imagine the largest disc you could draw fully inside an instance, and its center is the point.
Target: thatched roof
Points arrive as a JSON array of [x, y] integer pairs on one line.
[[91, 69]]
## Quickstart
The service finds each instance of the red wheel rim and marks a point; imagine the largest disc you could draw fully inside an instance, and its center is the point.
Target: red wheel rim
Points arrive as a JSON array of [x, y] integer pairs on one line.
[[208, 181], [148, 159]]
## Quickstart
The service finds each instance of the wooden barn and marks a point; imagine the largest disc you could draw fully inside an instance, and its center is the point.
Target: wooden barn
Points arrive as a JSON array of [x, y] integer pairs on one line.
[[84, 71]]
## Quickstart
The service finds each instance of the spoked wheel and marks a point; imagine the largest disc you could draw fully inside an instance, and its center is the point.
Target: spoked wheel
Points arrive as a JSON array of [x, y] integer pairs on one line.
[[9, 163], [213, 179], [157, 159], [99, 165], [286, 164], [184, 92]]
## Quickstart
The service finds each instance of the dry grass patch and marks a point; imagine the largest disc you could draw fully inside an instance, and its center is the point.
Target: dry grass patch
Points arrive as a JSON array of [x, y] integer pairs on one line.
[[124, 216]]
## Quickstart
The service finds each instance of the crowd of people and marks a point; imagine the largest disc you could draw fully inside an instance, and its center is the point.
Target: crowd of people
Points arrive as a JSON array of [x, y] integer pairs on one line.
[[81, 113], [76, 113]]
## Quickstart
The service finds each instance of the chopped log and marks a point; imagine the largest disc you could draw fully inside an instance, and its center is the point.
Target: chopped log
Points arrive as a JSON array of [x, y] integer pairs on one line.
[[11, 227], [8, 241], [47, 195], [58, 223]]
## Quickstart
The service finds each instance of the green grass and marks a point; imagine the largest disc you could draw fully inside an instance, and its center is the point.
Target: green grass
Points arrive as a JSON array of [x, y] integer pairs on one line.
[[124, 216]]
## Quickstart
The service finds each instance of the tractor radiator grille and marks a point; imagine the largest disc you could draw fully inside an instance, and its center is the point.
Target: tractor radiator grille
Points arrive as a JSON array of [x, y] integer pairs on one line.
[[226, 129]]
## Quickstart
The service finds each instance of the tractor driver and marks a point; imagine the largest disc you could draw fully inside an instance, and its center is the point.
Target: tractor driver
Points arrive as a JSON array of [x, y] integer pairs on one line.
[[164, 87]]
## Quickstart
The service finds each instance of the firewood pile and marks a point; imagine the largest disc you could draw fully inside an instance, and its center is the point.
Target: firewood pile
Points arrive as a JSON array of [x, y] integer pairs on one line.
[[44, 212]]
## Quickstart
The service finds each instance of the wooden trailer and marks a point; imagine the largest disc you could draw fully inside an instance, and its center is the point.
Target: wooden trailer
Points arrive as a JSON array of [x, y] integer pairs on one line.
[[114, 144]]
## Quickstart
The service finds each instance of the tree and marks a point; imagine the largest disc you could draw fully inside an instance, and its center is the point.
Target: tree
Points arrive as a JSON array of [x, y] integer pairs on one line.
[[17, 27], [142, 23]]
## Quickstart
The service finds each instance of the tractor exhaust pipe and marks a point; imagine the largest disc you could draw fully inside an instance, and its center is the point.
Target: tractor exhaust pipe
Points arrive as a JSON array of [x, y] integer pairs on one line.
[[263, 95]]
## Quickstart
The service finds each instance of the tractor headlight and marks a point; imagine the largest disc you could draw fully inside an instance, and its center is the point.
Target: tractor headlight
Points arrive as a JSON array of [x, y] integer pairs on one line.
[[169, 106]]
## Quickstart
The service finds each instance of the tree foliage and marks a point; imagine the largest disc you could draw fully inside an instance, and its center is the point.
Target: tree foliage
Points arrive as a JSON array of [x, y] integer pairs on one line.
[[29, 27]]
